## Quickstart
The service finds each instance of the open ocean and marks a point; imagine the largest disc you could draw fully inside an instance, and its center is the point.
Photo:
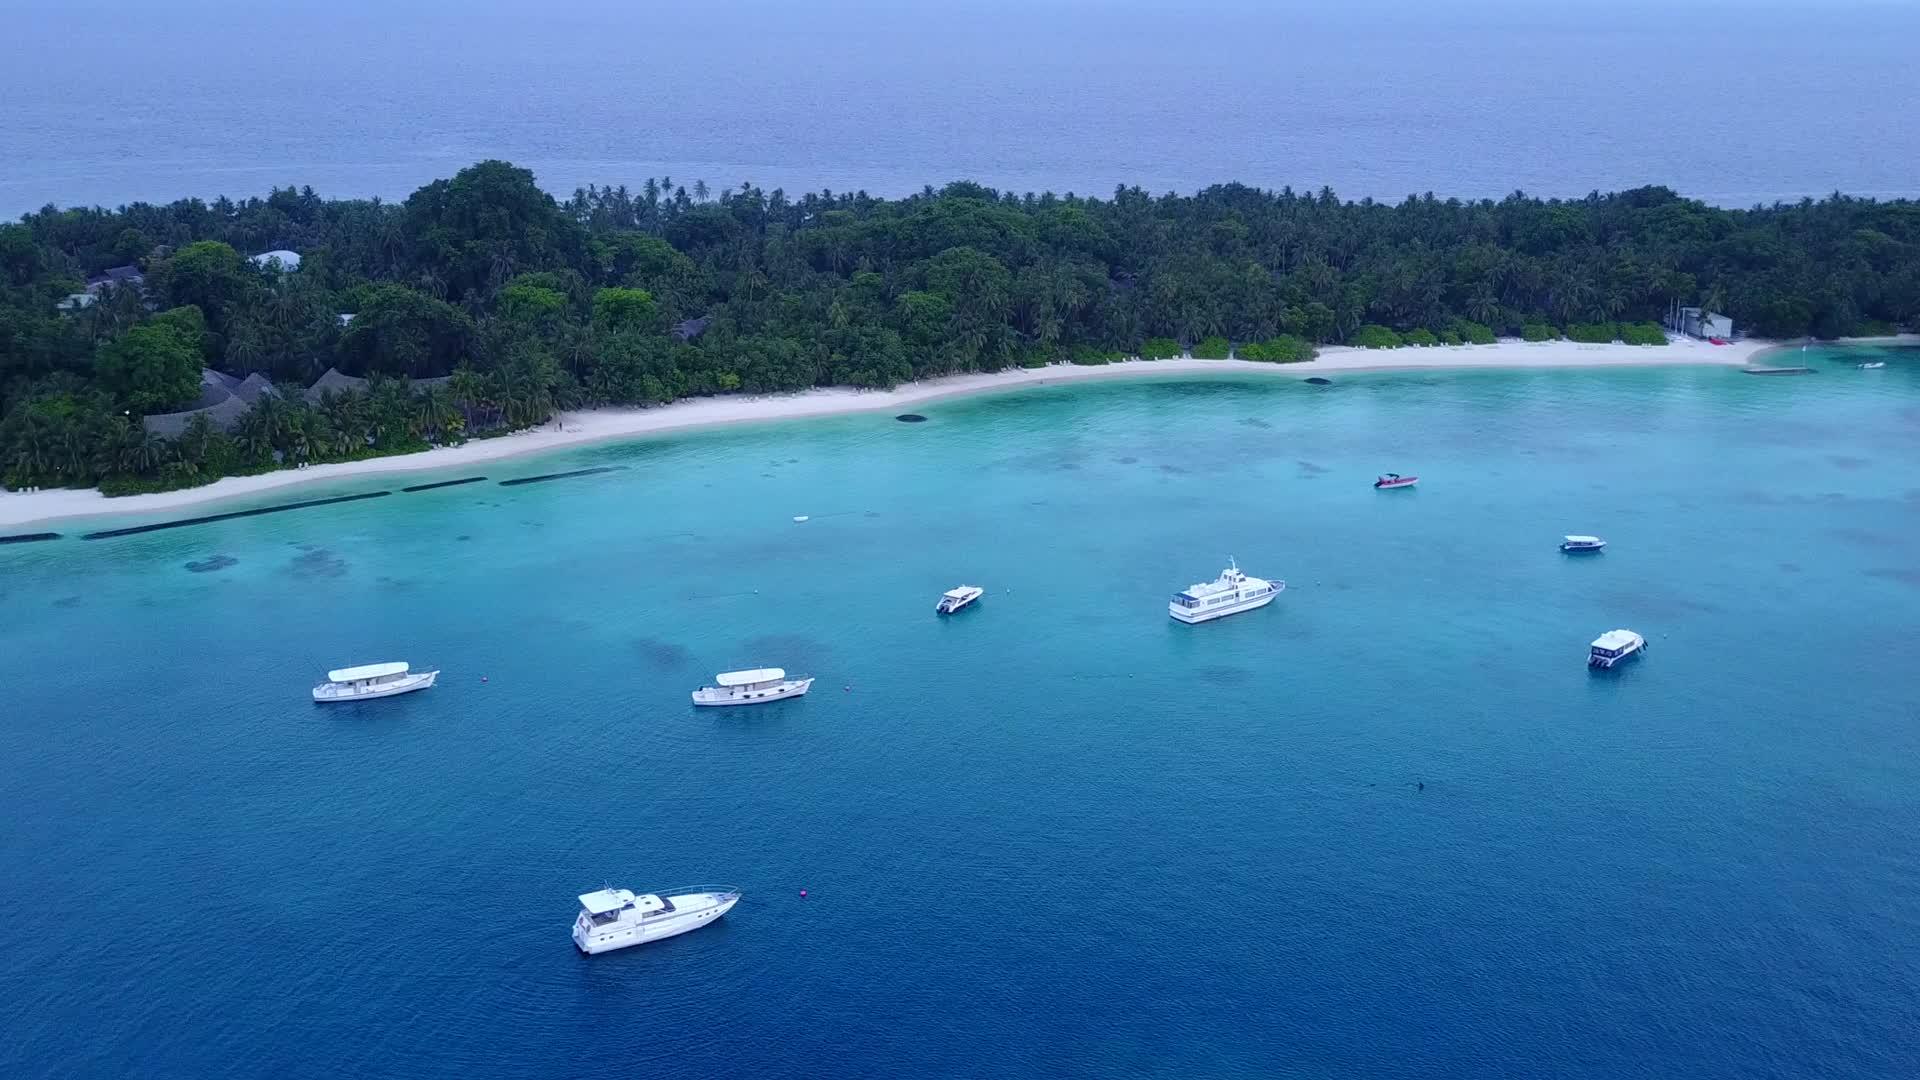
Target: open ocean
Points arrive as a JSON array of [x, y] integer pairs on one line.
[[1731, 101], [1057, 835]]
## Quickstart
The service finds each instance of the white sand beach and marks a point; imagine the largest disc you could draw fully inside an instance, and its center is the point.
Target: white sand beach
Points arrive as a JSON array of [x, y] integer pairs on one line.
[[601, 425]]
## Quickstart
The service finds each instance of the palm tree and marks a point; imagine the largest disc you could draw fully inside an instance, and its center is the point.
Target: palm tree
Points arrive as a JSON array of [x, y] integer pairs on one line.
[[1483, 306], [436, 415]]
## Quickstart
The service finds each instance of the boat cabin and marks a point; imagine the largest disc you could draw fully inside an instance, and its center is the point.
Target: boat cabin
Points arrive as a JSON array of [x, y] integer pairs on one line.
[[1582, 543], [1614, 646], [750, 681], [368, 674], [605, 906]]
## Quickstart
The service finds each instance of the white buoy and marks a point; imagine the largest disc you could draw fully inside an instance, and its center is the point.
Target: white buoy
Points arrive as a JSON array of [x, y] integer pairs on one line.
[[800, 517]]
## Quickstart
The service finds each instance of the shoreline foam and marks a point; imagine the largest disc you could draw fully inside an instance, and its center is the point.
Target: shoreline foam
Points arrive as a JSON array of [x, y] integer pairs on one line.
[[607, 425]]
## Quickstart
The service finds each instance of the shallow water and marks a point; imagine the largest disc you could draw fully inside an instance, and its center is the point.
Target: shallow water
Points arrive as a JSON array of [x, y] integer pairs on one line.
[[1058, 834]]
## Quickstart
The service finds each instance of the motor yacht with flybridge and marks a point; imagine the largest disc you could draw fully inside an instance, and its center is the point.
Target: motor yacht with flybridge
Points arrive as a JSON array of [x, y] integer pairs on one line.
[[612, 919], [1229, 594]]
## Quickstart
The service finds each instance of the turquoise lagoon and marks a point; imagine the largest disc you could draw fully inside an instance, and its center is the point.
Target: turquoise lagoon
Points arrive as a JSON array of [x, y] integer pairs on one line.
[[1059, 834]]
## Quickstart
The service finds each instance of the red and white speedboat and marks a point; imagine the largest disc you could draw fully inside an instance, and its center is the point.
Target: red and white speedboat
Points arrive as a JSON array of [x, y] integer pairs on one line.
[[1395, 480]]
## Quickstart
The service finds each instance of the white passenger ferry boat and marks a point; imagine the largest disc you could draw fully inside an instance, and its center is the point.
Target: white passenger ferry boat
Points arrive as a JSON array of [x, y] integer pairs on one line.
[[372, 681], [1613, 647], [751, 687], [612, 919], [1230, 594], [1582, 543], [958, 597]]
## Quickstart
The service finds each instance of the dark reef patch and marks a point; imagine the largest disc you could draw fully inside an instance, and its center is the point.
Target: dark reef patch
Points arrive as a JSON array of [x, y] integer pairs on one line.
[[1843, 461], [1903, 576], [911, 418], [67, 601], [317, 562], [1308, 468], [1255, 422], [28, 538], [663, 654], [1318, 381], [1230, 676], [211, 563], [1126, 460]]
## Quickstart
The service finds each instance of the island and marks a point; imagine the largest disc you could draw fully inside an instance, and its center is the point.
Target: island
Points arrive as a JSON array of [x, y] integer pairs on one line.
[[155, 348]]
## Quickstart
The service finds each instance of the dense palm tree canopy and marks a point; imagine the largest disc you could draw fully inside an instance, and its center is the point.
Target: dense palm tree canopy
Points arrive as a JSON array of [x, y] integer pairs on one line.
[[636, 297]]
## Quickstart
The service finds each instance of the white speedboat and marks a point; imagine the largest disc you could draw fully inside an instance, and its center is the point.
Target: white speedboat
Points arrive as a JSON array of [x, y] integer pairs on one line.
[[1873, 365], [612, 919], [1614, 646], [372, 681], [1229, 594], [958, 597], [751, 687], [1582, 543]]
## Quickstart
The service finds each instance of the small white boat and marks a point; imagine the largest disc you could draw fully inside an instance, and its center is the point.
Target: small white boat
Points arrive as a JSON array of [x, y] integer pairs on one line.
[[1393, 480], [958, 597], [1614, 646], [1582, 543], [1873, 365], [372, 681], [751, 687], [612, 919], [1229, 594], [801, 518]]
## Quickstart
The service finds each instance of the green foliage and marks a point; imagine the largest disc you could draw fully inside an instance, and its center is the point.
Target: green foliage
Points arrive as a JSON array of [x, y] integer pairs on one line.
[[1875, 328], [1421, 336], [1212, 348], [1285, 349], [1159, 348], [1450, 336], [402, 331], [1374, 336], [1592, 333], [1535, 331], [1642, 333], [1474, 333], [620, 310], [154, 367]]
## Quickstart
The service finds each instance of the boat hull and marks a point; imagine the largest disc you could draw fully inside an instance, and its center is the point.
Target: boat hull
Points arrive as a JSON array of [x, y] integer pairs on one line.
[[709, 697], [1394, 485], [949, 607], [1190, 617], [691, 912], [1581, 549], [326, 693]]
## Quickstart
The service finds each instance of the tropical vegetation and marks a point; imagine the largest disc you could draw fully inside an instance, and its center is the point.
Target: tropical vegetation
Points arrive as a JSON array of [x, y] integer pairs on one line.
[[481, 303]]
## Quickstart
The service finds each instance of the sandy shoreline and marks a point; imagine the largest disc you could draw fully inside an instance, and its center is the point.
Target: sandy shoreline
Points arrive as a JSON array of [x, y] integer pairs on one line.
[[602, 425]]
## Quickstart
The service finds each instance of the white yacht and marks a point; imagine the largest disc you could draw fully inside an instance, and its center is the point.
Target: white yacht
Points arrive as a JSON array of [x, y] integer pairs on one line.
[[372, 681], [751, 687], [615, 918], [1229, 594], [1614, 646], [958, 597], [1582, 543]]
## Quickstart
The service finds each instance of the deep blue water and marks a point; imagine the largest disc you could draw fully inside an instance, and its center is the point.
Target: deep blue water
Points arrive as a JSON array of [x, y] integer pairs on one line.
[[1732, 101], [1057, 835]]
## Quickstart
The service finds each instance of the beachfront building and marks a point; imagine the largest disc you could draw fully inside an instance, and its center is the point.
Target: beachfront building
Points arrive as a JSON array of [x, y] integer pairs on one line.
[[223, 400], [1701, 323]]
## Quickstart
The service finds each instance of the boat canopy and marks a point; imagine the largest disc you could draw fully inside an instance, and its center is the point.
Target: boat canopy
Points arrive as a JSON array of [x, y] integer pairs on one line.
[[1583, 540], [368, 671], [748, 678], [1615, 640], [602, 901], [960, 593]]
